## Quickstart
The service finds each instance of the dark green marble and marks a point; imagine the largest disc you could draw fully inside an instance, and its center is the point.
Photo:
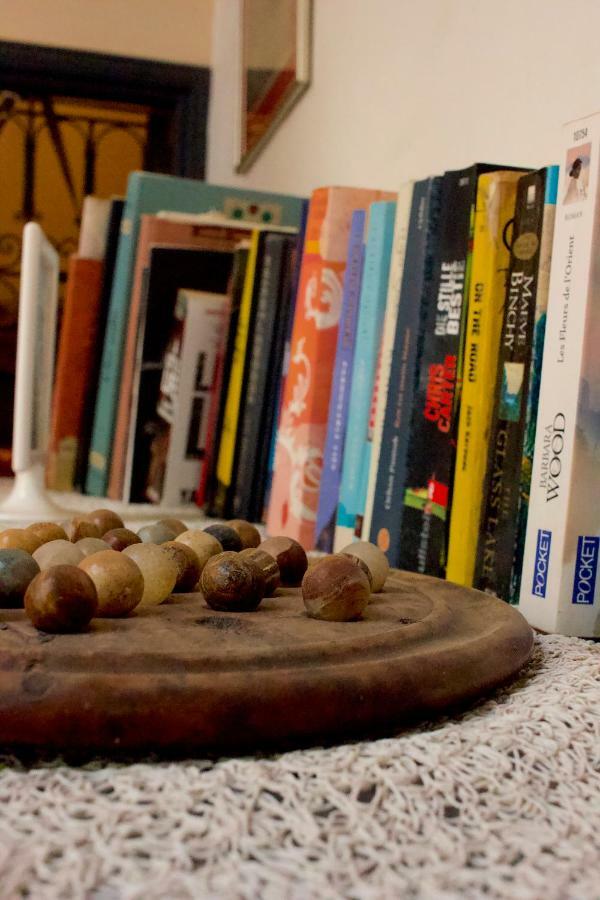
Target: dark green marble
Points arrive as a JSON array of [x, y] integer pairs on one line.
[[17, 570]]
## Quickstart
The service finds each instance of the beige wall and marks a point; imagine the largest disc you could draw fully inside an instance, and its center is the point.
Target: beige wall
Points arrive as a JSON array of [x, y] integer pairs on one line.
[[404, 89], [172, 30]]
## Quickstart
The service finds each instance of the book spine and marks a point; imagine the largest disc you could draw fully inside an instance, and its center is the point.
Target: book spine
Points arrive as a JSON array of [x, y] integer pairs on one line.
[[108, 272], [208, 489], [495, 546], [204, 321], [384, 365], [259, 361], [269, 421], [422, 240], [75, 355], [149, 193], [430, 457], [494, 214], [287, 341], [229, 432], [112, 351], [535, 371], [371, 310], [559, 587], [340, 391], [303, 425]]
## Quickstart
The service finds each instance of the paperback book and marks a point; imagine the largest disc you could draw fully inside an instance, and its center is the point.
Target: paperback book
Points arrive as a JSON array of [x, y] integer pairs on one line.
[[497, 535], [189, 390], [149, 193], [340, 391], [303, 424], [494, 214], [371, 310], [559, 586], [386, 350], [423, 535], [415, 299], [535, 373]]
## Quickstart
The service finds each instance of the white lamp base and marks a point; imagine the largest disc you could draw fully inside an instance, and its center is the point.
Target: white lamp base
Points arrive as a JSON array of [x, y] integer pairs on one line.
[[28, 501]]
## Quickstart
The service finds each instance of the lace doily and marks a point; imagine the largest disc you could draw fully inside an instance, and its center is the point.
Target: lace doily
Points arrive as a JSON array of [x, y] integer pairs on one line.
[[501, 801]]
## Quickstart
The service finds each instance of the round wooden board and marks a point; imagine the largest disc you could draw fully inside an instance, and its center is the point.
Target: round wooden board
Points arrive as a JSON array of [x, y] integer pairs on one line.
[[181, 678]]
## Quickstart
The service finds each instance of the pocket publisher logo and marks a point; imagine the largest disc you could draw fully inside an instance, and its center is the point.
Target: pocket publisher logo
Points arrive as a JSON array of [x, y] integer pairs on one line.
[[542, 561], [586, 566]]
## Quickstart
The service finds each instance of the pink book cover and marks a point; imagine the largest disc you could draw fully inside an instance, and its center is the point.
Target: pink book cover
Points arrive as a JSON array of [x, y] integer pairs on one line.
[[303, 422]]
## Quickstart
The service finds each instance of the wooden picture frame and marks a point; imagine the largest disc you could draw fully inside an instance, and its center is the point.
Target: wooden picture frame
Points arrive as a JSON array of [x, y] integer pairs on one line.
[[275, 55]]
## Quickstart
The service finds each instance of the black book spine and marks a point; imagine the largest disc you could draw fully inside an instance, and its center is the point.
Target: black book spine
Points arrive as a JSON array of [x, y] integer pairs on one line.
[[222, 505], [288, 325], [236, 288], [423, 533], [408, 342], [258, 371], [269, 421], [496, 545]]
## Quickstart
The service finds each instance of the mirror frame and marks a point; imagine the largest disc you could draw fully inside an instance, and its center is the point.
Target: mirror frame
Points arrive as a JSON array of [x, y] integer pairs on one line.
[[304, 21]]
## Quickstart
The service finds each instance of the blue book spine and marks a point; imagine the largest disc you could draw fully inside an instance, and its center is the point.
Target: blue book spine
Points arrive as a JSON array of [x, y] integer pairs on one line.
[[416, 279], [373, 297], [340, 391], [150, 193], [98, 470]]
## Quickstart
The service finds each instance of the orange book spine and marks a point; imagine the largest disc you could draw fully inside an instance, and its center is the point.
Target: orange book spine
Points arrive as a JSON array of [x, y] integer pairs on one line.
[[77, 341], [303, 422]]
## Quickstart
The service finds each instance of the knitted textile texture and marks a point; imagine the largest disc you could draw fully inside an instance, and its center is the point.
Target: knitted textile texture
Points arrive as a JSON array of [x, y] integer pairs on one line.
[[500, 801]]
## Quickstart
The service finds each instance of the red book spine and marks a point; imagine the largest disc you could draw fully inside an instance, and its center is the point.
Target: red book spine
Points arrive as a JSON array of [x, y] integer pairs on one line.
[[76, 349]]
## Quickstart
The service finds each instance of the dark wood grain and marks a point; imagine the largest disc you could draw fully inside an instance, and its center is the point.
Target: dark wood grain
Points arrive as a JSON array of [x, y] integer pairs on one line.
[[183, 678]]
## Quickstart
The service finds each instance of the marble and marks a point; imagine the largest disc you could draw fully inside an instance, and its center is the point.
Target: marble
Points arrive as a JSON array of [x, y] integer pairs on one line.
[[19, 539], [230, 583], [335, 589], [249, 534], [289, 556], [267, 566], [118, 580], [91, 545], [228, 538], [375, 559], [158, 570], [175, 525], [61, 599], [58, 553], [188, 565], [203, 544], [158, 533], [48, 531], [79, 527], [119, 538], [105, 519], [17, 569]]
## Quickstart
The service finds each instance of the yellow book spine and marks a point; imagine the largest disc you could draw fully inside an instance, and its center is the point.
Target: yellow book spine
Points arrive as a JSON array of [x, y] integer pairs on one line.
[[494, 209], [234, 391]]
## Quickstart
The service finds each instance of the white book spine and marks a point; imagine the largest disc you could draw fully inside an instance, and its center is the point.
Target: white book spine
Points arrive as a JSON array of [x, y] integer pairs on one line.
[[202, 342], [387, 342], [94, 228], [559, 589]]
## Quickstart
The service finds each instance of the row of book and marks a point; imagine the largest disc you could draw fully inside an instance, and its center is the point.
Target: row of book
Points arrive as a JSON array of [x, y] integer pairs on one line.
[[365, 365], [177, 311], [443, 396]]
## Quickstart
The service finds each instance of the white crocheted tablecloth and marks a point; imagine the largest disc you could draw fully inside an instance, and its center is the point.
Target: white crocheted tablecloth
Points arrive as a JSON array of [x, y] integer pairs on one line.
[[501, 801]]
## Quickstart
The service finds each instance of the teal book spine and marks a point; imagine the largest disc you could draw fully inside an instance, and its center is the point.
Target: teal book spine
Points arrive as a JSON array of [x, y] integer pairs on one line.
[[373, 296], [149, 192]]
